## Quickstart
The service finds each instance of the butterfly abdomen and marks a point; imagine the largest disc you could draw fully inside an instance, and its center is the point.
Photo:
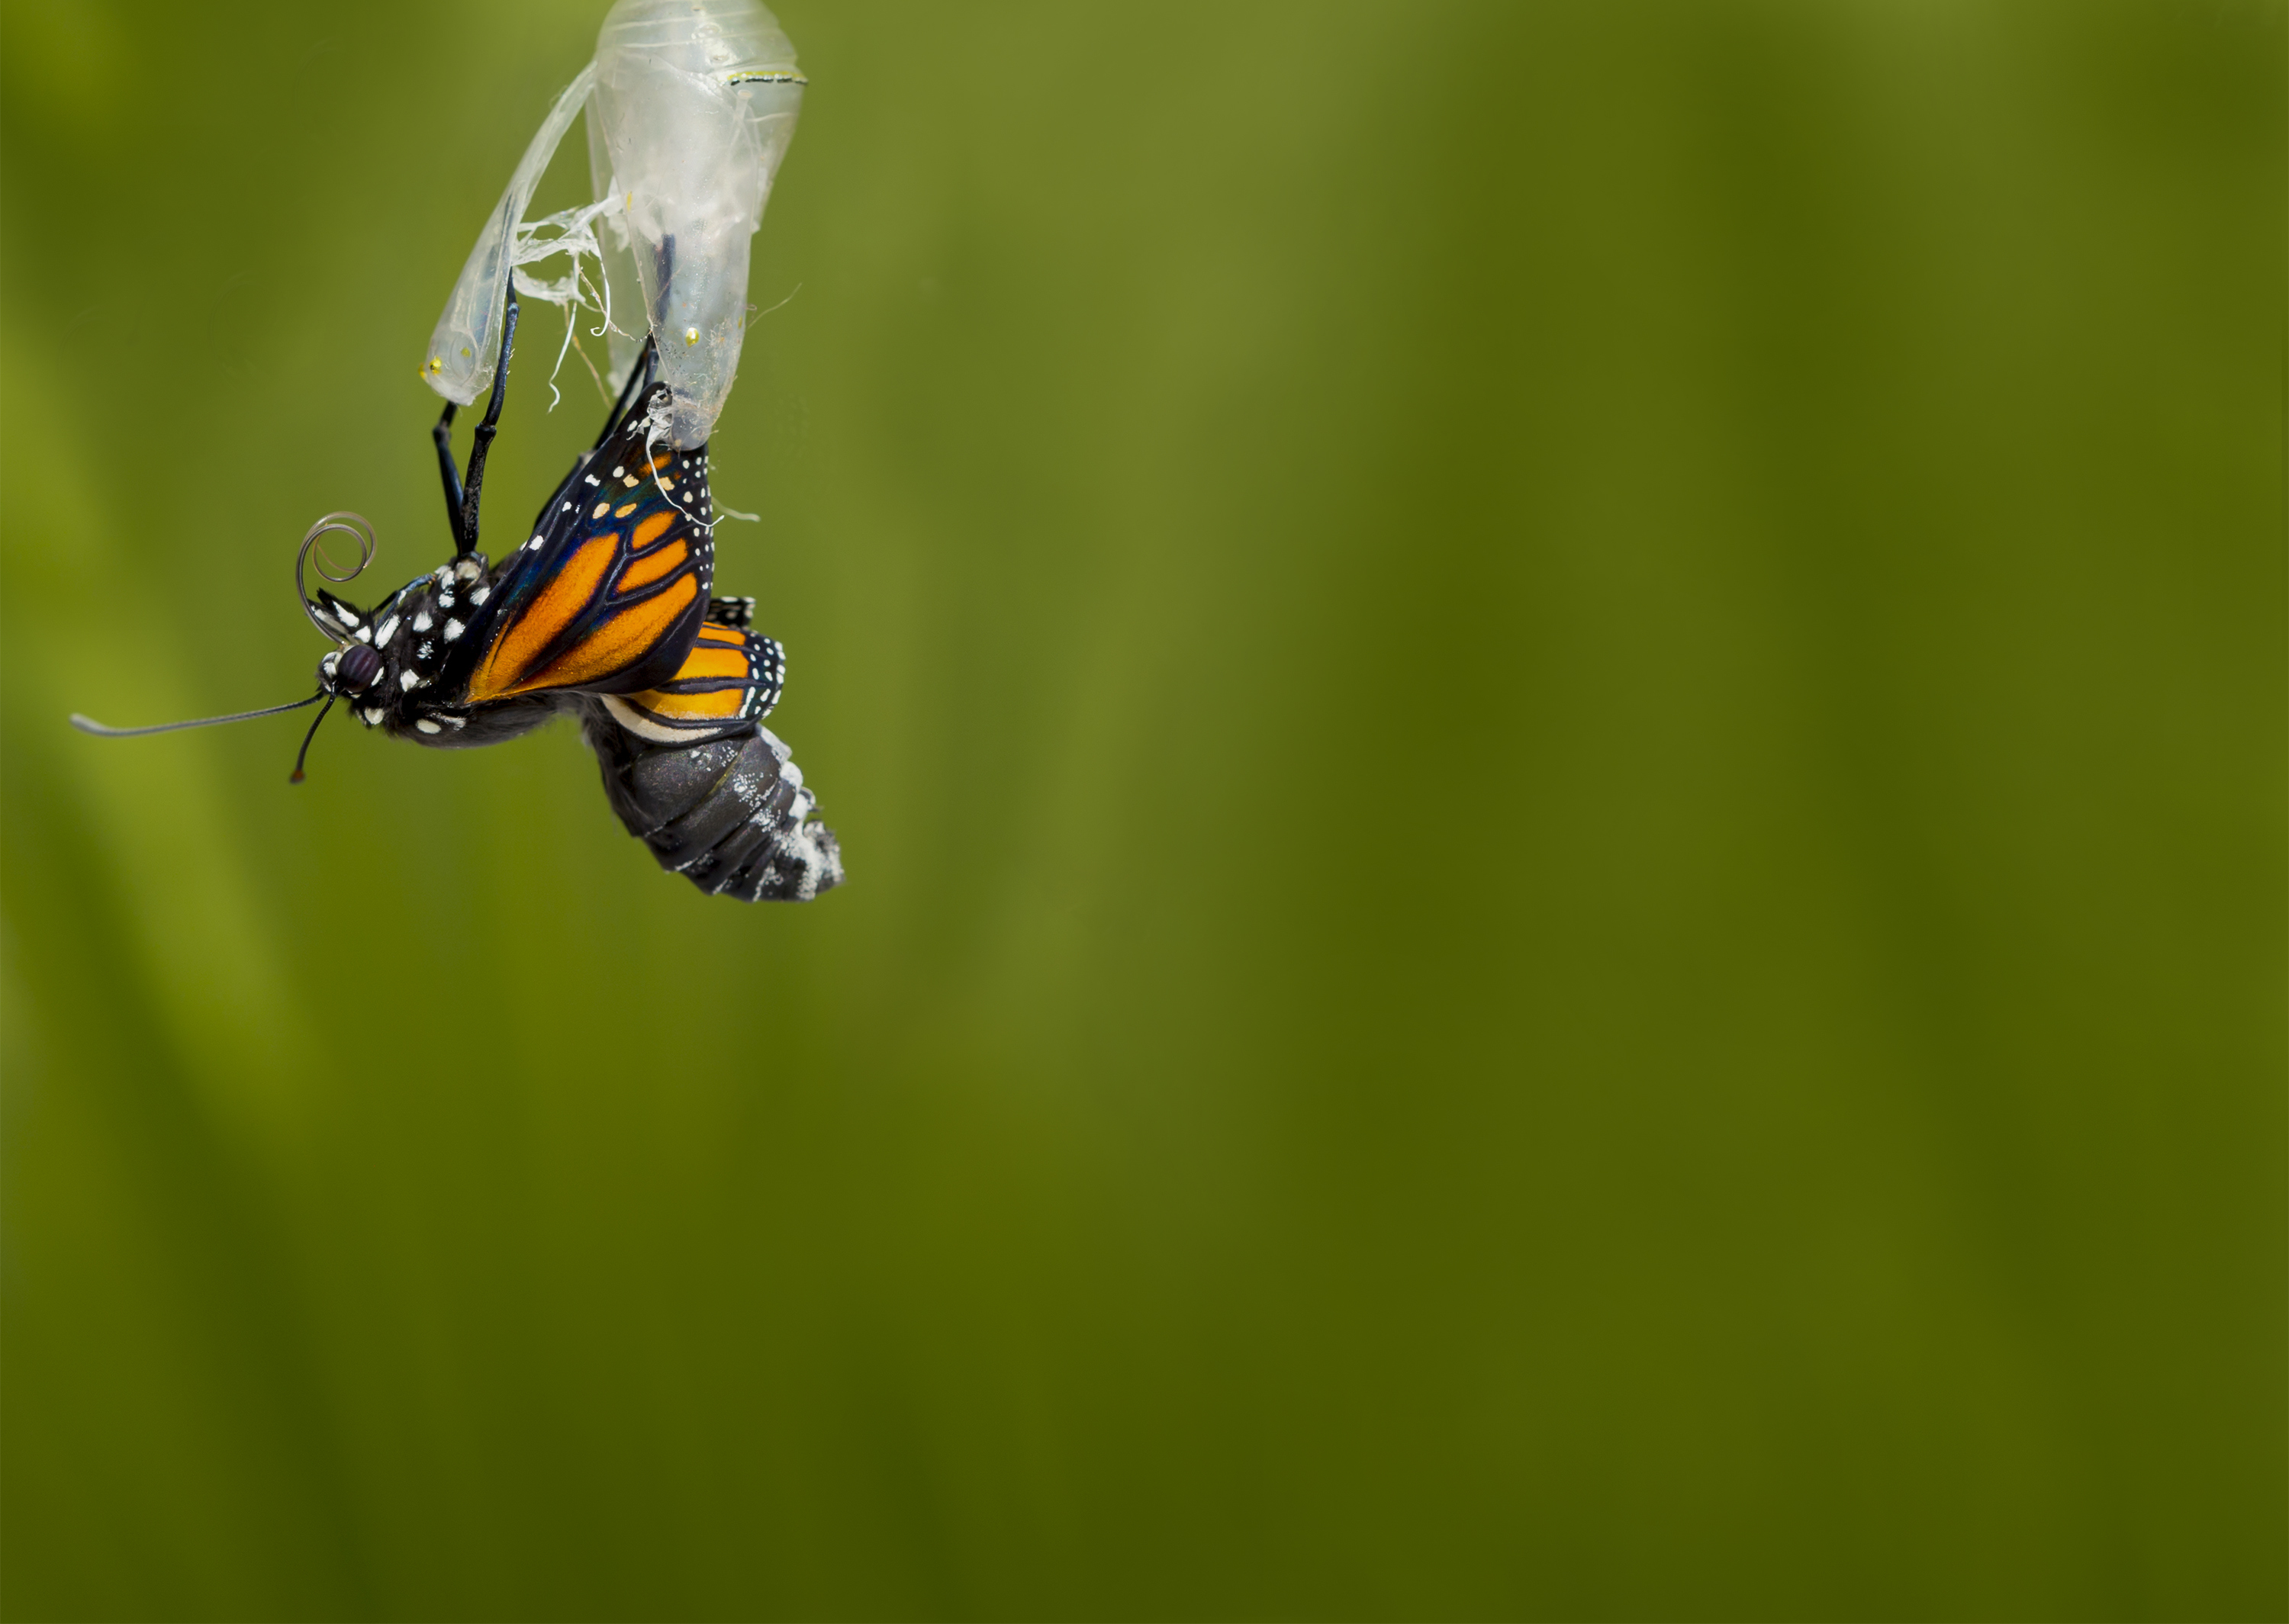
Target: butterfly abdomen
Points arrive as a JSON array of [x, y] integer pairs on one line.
[[729, 815]]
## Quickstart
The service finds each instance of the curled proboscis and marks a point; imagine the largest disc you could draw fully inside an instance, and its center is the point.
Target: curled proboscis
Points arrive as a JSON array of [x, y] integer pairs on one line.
[[348, 524]]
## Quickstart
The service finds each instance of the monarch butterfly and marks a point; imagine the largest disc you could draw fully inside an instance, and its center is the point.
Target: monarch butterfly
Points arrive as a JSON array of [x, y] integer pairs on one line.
[[603, 613]]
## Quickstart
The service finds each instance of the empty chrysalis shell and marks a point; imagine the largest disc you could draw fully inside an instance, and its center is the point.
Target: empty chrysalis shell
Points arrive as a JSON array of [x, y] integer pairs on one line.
[[460, 365], [694, 104], [691, 104]]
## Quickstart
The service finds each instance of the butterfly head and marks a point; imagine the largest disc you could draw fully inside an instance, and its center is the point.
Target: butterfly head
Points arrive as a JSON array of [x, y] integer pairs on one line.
[[350, 672]]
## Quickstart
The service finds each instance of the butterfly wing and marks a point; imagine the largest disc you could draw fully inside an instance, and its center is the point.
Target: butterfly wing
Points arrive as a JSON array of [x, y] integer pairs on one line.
[[609, 593], [729, 681]]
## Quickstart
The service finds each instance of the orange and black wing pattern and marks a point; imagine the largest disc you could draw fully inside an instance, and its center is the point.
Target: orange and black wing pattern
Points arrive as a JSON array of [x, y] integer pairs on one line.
[[609, 593], [729, 681]]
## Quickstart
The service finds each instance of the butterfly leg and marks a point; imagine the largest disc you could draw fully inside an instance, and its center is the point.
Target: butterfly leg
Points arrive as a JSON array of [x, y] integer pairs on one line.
[[443, 436], [481, 443]]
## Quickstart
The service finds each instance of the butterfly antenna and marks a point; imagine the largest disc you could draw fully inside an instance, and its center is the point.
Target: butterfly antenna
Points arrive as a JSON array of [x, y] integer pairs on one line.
[[348, 524], [307, 737], [90, 725]]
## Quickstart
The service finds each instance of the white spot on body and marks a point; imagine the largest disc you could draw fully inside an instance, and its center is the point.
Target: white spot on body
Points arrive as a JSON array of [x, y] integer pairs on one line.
[[427, 726], [373, 716], [481, 595], [408, 680], [453, 629], [467, 570], [421, 622], [388, 630]]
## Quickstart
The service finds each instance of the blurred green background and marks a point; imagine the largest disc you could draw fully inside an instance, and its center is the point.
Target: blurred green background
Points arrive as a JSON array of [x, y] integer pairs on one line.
[[1560, 729]]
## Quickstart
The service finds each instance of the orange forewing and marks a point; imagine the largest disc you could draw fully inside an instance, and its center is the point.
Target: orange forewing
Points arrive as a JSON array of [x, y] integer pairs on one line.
[[651, 566], [505, 663], [615, 644]]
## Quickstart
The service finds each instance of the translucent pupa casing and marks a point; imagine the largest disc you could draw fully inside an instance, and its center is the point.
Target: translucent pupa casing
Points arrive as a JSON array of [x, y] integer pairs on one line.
[[459, 365], [693, 106]]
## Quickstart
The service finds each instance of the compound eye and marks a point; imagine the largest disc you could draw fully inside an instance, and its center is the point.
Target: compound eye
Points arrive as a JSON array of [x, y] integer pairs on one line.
[[358, 669]]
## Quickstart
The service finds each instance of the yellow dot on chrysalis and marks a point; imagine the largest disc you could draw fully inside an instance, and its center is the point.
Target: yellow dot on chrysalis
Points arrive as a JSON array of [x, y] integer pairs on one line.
[[690, 336]]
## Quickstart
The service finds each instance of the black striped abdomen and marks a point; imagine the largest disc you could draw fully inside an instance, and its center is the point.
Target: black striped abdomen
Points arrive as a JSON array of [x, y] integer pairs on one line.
[[729, 815]]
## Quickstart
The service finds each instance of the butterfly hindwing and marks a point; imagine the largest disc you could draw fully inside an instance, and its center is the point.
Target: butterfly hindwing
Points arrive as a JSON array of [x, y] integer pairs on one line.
[[729, 681], [609, 593]]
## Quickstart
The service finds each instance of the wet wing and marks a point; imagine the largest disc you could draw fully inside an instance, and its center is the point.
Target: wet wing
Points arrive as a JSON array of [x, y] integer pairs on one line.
[[609, 593], [729, 681]]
